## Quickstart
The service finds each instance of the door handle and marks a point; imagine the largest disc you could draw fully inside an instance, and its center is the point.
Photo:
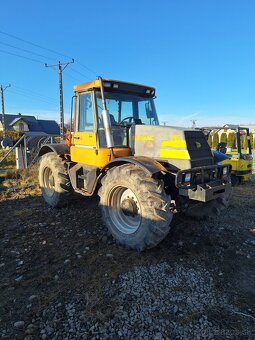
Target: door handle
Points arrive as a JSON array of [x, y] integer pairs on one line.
[[76, 137]]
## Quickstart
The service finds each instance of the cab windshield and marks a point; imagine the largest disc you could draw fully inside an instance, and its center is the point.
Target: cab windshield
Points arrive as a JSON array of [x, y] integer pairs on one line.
[[127, 109]]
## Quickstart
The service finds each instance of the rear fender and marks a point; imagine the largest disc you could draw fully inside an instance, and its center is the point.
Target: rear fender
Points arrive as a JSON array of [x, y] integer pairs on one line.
[[59, 149]]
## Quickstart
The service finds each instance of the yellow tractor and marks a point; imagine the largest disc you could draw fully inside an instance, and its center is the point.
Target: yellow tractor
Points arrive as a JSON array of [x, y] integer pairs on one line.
[[143, 172], [236, 151]]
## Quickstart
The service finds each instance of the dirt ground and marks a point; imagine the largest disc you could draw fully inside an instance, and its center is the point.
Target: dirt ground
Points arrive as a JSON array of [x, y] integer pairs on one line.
[[48, 254]]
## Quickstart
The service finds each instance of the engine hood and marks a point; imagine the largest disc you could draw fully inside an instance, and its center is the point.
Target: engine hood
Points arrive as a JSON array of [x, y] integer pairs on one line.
[[180, 147]]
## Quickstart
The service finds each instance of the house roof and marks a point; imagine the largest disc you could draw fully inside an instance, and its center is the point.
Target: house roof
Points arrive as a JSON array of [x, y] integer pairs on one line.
[[8, 119], [49, 126], [16, 120], [231, 126], [40, 125]]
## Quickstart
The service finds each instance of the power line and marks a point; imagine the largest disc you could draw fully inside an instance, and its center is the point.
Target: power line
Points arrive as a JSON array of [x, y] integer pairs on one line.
[[24, 50], [33, 44], [31, 97], [34, 93], [71, 69], [72, 77], [20, 56], [87, 68], [42, 62], [49, 50]]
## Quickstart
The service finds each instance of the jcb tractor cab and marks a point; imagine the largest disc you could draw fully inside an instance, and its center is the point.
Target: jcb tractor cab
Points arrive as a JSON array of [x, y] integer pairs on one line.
[[237, 152], [142, 172]]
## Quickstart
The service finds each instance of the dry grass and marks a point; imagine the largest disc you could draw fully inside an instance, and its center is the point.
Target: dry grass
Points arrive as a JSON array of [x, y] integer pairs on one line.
[[25, 180], [9, 162]]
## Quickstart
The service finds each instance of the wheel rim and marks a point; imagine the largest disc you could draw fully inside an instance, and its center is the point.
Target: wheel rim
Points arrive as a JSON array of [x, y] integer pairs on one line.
[[124, 210], [48, 182]]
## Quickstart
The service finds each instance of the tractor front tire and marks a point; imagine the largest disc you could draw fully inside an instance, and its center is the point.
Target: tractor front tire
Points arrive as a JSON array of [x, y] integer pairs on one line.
[[135, 207], [54, 180], [203, 211]]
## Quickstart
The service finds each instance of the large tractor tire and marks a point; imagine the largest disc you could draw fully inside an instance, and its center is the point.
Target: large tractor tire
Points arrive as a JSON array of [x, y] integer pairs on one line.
[[54, 180], [203, 211], [135, 207]]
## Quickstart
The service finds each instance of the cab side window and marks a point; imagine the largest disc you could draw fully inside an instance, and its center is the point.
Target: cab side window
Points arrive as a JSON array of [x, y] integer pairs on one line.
[[86, 114]]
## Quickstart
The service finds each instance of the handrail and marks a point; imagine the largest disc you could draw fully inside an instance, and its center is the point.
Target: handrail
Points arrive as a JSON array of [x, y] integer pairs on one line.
[[12, 148]]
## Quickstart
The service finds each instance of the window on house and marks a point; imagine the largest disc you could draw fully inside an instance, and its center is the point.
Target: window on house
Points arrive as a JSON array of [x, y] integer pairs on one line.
[[21, 127]]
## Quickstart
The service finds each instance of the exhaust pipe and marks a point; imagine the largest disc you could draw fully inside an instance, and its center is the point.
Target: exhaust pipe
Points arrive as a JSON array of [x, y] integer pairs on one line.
[[106, 120]]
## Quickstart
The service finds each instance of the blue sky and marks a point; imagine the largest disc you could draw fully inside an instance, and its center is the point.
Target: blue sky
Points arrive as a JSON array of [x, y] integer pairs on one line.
[[200, 55]]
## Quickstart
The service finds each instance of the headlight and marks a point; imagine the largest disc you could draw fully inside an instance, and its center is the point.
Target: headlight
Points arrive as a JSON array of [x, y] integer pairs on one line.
[[187, 177], [225, 171]]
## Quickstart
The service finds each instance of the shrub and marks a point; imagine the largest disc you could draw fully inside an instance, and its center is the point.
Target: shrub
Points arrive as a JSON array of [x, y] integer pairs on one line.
[[231, 140], [252, 140], [244, 143], [215, 140], [15, 135], [223, 137], [209, 140]]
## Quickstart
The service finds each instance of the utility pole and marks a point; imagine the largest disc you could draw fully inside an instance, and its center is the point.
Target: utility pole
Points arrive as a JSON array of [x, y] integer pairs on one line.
[[2, 96], [61, 106], [194, 126]]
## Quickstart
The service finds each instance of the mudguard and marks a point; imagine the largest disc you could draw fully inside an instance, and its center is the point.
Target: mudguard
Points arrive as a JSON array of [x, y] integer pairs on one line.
[[149, 165], [58, 148]]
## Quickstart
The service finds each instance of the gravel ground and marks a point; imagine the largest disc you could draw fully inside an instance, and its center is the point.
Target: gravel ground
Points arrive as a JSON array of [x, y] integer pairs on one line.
[[63, 277], [158, 301]]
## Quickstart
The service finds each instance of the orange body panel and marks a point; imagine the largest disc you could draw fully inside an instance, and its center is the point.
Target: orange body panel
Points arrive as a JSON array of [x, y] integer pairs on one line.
[[96, 157], [87, 86]]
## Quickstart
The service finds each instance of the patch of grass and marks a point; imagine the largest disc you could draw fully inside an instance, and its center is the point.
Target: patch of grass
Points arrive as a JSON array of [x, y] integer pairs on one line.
[[25, 181]]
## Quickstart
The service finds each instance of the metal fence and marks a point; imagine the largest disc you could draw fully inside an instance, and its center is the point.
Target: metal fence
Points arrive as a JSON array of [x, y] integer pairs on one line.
[[27, 149]]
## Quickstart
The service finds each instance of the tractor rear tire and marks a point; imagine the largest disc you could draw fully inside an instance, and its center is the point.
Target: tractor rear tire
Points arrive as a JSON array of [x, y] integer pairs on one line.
[[203, 211], [135, 207], [54, 180]]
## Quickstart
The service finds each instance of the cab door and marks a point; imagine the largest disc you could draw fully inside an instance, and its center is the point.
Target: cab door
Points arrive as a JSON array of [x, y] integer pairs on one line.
[[85, 146], [84, 138]]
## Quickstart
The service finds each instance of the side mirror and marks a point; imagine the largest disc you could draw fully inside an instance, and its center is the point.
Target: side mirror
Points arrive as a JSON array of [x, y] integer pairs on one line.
[[149, 111]]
